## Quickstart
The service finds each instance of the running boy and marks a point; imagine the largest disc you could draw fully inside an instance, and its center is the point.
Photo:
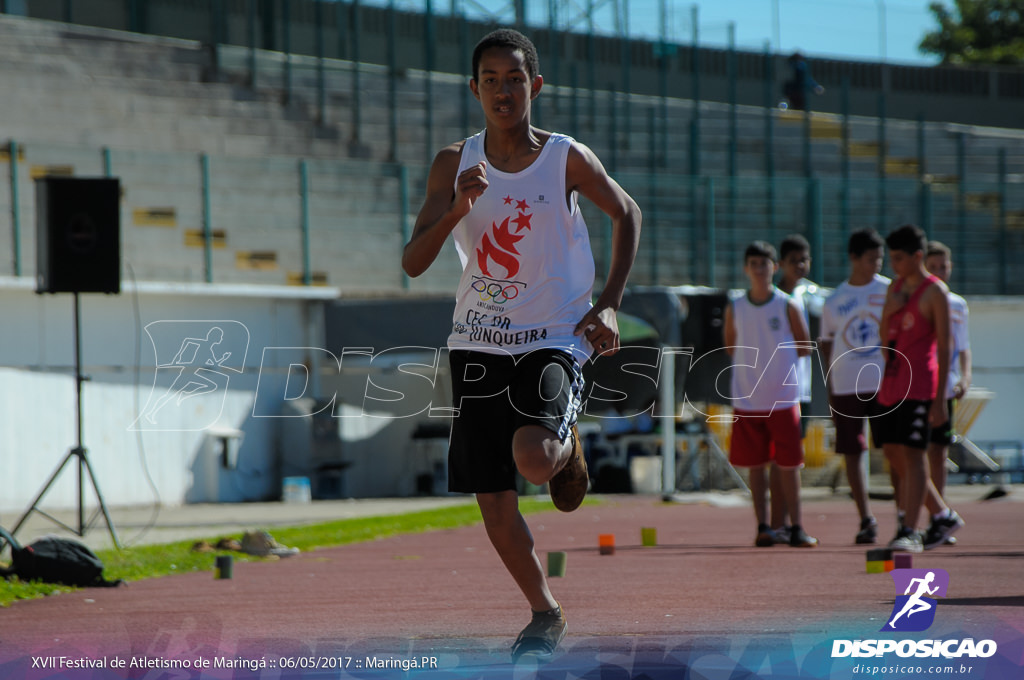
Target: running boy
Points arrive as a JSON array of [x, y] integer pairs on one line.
[[523, 317], [852, 349], [765, 334], [915, 327]]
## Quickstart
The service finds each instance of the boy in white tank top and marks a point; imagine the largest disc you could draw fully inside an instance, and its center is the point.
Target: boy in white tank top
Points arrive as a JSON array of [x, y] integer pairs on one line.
[[523, 320], [765, 334]]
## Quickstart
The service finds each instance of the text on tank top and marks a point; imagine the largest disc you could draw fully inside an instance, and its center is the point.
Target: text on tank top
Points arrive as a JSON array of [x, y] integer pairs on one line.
[[528, 270]]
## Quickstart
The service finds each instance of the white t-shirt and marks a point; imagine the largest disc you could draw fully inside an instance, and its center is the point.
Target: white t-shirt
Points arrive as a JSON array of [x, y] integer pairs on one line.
[[527, 267], [764, 369], [851, 319], [960, 339]]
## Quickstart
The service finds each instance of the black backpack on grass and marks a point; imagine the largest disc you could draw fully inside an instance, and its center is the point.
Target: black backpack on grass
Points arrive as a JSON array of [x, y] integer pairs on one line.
[[55, 560]]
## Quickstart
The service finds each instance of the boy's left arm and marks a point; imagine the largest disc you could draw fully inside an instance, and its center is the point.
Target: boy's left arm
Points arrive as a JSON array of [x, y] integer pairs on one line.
[[960, 389], [938, 302], [585, 174], [801, 335]]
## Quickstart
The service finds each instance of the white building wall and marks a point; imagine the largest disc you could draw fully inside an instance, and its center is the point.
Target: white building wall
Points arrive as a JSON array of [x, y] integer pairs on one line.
[[997, 331], [37, 392]]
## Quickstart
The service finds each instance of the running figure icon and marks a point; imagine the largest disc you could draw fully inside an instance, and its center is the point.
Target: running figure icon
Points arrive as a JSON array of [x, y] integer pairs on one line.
[[192, 360], [915, 603]]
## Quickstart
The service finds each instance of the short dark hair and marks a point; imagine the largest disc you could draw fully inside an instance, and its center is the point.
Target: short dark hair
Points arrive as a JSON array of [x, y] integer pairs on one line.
[[760, 249], [909, 239], [793, 243], [864, 240], [512, 39], [938, 248]]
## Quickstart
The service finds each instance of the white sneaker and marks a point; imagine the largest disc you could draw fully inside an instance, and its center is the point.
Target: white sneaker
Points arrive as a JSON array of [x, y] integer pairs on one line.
[[907, 540]]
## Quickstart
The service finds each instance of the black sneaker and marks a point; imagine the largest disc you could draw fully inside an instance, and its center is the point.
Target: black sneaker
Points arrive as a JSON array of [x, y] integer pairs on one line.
[[942, 529], [798, 538], [868, 531], [541, 636], [765, 536]]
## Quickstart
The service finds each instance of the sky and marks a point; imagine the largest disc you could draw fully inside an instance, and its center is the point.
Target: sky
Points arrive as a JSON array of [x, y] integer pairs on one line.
[[870, 30]]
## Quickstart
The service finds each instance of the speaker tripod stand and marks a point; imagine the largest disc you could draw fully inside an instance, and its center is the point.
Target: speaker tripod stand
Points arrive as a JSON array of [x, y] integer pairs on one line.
[[78, 454]]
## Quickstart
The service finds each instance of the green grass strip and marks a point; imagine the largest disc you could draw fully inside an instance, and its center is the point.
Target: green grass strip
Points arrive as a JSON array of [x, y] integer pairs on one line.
[[153, 561]]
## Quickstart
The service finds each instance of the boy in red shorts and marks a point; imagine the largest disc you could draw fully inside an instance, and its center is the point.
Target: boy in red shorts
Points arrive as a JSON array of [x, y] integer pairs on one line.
[[765, 334]]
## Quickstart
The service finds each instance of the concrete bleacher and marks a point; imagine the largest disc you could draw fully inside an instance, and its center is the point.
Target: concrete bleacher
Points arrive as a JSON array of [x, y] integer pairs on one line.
[[158, 104]]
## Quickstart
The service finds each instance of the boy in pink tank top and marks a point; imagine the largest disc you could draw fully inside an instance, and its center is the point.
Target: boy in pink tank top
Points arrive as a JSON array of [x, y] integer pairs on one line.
[[915, 329]]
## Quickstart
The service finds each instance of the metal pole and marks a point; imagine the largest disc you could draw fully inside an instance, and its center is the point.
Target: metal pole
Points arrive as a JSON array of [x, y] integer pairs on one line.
[[627, 57], [844, 161], [814, 220], [652, 187], [769, 140], [321, 85], [922, 172], [613, 130], [466, 65], [392, 84], [357, 107], [961, 211], [591, 67], [250, 30], [709, 226], [403, 208], [286, 36], [1004, 244], [428, 84], [12, 149], [554, 47], [204, 164], [307, 270], [882, 180], [695, 75]]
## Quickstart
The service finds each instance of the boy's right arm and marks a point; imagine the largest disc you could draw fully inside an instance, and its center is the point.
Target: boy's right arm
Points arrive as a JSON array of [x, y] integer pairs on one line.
[[729, 330], [443, 207]]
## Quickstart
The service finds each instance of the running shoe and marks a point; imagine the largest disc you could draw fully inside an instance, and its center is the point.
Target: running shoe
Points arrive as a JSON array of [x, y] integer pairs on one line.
[[798, 538], [868, 531], [942, 529], [906, 540], [540, 637], [766, 538], [568, 487]]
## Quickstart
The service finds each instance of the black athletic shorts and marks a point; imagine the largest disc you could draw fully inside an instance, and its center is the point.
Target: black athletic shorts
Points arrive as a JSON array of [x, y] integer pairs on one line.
[[496, 394], [905, 423], [943, 434], [849, 413]]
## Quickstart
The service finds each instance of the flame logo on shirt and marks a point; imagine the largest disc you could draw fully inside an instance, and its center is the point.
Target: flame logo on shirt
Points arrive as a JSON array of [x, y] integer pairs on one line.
[[499, 245]]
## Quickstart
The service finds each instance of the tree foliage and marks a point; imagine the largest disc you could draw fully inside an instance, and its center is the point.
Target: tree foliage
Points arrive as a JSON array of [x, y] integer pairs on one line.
[[977, 32]]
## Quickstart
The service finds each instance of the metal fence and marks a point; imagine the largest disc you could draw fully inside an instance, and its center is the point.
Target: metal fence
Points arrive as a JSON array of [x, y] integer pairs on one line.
[[189, 217]]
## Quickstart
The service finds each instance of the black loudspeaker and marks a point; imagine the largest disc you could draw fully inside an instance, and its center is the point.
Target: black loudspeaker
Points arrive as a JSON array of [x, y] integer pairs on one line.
[[78, 235]]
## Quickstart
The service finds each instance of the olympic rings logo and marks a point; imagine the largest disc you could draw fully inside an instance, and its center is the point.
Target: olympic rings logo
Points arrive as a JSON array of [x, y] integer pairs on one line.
[[495, 291]]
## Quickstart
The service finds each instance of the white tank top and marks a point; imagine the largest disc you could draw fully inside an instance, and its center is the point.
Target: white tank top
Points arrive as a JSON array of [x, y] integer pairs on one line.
[[527, 268], [764, 362]]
